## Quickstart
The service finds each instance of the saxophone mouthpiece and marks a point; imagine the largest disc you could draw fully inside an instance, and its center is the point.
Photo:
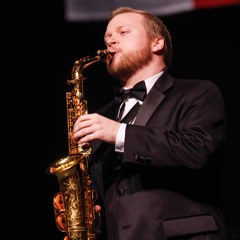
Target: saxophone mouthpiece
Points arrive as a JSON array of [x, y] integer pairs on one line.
[[105, 55]]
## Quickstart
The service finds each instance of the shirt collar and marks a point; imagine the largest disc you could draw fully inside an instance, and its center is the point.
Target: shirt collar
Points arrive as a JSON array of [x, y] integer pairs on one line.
[[150, 81]]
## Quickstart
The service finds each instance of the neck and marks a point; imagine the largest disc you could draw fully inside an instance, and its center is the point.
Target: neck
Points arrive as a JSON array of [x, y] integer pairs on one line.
[[144, 73]]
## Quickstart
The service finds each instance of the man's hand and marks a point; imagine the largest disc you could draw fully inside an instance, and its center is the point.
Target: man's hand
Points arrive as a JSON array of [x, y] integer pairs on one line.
[[94, 126]]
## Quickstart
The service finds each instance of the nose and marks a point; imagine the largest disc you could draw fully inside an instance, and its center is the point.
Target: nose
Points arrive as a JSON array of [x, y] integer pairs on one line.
[[111, 41]]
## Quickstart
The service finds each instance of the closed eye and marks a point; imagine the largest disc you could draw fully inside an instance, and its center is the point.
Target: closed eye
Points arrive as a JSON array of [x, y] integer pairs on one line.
[[124, 32]]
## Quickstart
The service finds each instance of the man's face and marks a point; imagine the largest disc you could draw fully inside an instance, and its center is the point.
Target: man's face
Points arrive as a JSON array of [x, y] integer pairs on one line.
[[127, 38]]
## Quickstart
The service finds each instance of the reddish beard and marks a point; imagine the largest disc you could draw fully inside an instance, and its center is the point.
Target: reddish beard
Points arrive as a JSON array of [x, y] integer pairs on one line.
[[129, 63]]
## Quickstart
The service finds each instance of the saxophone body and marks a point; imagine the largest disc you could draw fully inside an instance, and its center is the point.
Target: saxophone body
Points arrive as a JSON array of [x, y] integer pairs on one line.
[[74, 204]]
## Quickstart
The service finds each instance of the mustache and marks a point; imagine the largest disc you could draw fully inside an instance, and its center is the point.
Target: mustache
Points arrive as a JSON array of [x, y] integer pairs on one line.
[[114, 50]]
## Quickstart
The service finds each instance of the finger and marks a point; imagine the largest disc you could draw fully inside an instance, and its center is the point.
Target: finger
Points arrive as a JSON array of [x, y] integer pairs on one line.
[[84, 121], [87, 117], [81, 119], [97, 208], [82, 125], [83, 132], [78, 120], [87, 138]]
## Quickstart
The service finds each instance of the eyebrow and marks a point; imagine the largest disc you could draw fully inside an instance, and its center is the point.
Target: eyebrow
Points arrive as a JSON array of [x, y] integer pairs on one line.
[[118, 28]]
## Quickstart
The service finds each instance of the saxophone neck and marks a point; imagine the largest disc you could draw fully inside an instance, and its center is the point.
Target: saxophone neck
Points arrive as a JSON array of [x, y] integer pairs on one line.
[[81, 64]]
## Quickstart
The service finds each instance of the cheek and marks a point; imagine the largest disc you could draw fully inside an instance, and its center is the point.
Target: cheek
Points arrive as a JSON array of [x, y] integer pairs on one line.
[[135, 43]]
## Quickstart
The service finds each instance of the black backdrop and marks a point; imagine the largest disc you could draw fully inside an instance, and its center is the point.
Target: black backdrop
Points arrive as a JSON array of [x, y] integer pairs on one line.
[[39, 49]]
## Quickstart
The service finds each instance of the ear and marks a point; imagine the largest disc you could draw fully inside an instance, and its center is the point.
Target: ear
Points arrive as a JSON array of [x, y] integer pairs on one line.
[[157, 44]]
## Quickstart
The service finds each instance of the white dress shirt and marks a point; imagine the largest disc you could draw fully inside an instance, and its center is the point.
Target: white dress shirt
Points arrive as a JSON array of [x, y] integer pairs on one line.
[[129, 103]]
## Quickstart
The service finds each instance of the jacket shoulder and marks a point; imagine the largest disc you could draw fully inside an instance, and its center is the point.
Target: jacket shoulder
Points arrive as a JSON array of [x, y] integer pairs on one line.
[[195, 83], [197, 87]]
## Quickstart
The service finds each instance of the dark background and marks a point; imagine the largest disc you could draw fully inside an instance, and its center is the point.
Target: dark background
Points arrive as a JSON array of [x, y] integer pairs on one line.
[[39, 49]]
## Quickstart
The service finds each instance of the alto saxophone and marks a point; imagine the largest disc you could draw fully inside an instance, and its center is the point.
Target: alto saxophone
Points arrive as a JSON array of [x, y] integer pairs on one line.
[[74, 204]]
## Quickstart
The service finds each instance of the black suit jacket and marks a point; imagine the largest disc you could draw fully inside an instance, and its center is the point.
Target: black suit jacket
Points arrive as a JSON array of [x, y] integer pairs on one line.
[[169, 174]]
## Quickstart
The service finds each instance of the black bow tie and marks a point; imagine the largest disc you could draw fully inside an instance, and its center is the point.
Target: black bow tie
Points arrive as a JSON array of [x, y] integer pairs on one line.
[[139, 91]]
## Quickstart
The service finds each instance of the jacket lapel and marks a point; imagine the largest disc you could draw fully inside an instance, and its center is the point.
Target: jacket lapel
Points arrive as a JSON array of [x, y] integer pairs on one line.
[[154, 98]]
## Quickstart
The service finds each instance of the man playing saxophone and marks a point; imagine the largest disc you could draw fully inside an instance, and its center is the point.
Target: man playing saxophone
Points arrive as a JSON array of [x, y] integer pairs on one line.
[[154, 148]]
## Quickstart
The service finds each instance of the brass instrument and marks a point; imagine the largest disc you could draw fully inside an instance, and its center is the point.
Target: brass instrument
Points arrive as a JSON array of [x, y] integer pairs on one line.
[[74, 205]]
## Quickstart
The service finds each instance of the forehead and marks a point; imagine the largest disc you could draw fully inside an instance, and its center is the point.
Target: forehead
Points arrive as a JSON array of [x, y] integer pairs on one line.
[[125, 19]]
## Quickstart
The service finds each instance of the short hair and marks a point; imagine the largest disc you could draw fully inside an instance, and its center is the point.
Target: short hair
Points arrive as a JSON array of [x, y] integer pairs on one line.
[[154, 28]]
